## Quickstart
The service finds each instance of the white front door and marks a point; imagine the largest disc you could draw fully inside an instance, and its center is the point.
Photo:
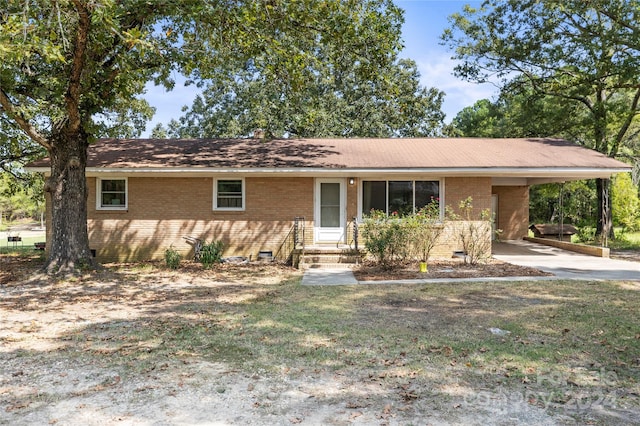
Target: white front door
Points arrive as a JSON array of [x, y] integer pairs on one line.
[[329, 211]]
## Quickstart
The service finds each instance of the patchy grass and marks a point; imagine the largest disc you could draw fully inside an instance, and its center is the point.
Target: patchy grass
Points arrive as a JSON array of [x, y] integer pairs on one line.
[[626, 241], [569, 348], [24, 247], [563, 329]]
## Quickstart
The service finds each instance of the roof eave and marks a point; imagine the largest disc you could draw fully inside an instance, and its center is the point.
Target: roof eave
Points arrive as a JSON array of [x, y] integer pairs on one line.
[[541, 172]]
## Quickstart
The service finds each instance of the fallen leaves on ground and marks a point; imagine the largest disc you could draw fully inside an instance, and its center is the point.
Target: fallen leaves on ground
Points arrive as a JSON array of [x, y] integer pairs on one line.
[[444, 269]]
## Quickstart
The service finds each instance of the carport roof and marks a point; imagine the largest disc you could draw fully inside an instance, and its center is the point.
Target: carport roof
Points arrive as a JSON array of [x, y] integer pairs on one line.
[[465, 156]]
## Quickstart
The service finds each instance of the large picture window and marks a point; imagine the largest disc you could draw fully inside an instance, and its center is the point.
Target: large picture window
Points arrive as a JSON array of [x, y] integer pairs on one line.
[[374, 196], [229, 194], [398, 197], [111, 194]]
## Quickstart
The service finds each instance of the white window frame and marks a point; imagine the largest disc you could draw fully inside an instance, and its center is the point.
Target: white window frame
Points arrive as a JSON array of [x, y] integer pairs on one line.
[[215, 195], [100, 206]]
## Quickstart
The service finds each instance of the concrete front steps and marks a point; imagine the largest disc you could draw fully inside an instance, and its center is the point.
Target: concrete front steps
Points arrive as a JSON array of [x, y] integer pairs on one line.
[[329, 258]]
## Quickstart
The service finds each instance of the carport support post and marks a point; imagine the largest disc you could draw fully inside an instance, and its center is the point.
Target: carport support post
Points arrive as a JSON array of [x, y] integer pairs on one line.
[[561, 208]]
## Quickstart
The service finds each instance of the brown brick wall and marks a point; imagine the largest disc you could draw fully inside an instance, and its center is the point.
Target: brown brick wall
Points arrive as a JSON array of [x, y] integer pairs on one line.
[[352, 199], [513, 211], [458, 189], [451, 240], [163, 210]]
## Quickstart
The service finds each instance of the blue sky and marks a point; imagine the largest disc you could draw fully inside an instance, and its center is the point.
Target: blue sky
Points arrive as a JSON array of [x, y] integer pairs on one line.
[[425, 20]]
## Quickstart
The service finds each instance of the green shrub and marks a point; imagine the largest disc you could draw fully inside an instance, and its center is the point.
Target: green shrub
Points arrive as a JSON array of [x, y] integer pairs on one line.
[[378, 233], [172, 258], [586, 234], [211, 253], [425, 229], [394, 238]]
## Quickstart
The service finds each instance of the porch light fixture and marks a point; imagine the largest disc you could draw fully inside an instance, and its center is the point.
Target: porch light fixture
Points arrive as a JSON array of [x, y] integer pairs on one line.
[[352, 181]]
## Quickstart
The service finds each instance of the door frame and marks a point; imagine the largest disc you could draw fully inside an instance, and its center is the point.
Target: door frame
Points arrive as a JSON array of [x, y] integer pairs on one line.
[[495, 212], [335, 235]]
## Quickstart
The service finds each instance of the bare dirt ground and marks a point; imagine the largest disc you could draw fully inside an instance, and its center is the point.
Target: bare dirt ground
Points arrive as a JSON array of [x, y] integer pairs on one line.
[[455, 268], [63, 363]]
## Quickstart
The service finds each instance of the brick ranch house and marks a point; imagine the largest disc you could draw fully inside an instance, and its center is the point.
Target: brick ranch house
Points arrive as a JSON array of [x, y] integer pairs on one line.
[[145, 195]]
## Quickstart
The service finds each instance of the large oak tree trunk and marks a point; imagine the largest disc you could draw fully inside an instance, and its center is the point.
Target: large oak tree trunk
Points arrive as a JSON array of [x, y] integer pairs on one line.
[[69, 245]]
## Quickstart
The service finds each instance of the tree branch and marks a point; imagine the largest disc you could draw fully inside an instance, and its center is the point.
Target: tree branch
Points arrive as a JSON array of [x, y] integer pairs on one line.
[[11, 171], [8, 159], [72, 97], [633, 111], [619, 21], [24, 124], [538, 88]]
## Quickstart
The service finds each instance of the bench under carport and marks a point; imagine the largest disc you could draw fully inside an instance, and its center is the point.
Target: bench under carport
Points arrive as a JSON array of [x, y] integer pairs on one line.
[[551, 230]]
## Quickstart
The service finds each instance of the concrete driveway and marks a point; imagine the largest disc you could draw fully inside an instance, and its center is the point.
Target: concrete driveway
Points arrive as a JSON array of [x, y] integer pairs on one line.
[[565, 264]]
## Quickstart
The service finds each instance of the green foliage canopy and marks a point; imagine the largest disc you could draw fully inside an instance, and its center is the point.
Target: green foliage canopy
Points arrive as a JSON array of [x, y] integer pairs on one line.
[[519, 112], [74, 70], [580, 52], [389, 103], [350, 85], [584, 54]]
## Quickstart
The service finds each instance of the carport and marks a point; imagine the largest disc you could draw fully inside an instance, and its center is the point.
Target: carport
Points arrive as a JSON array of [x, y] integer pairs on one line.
[[565, 264]]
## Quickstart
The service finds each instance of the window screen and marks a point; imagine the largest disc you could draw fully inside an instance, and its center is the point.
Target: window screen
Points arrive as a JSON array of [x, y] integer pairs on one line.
[[229, 194]]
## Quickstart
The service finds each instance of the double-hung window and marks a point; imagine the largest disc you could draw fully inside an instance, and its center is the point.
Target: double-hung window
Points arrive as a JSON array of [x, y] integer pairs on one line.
[[398, 197], [228, 194], [111, 194]]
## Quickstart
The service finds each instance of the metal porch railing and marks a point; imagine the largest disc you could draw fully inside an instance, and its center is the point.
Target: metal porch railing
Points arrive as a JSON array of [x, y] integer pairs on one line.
[[293, 241], [353, 234]]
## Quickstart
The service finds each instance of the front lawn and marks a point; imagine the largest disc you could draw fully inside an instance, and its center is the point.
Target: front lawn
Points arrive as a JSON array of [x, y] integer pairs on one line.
[[248, 344], [24, 247]]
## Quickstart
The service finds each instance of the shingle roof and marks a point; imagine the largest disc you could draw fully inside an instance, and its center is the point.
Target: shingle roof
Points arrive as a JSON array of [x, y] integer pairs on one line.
[[369, 154]]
